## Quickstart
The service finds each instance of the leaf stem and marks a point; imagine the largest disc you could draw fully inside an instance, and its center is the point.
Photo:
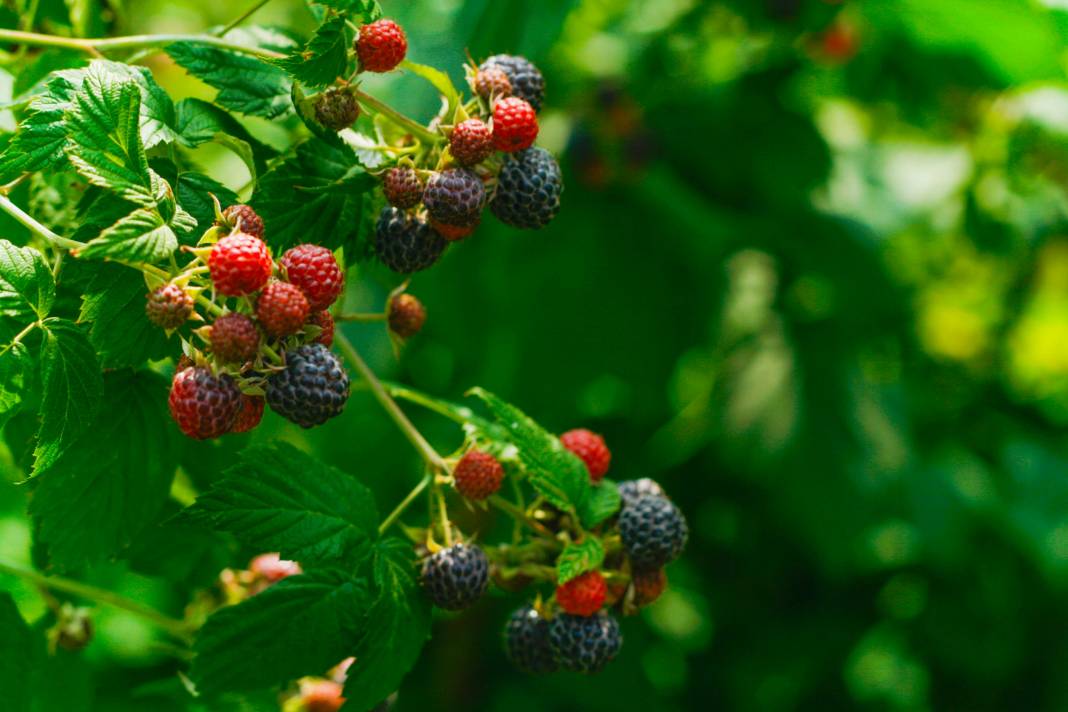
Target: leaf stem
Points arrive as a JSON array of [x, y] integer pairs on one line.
[[19, 337], [404, 504], [460, 415], [99, 45], [430, 455], [27, 221], [519, 515], [360, 317], [241, 18], [415, 128], [172, 626]]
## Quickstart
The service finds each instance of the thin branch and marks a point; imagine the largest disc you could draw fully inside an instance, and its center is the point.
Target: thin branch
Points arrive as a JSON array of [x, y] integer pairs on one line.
[[519, 515], [360, 317], [400, 508], [413, 127], [241, 18], [27, 221], [96, 46]]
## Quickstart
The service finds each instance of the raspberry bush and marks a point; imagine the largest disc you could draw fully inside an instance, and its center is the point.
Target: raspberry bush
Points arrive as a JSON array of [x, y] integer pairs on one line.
[[153, 307]]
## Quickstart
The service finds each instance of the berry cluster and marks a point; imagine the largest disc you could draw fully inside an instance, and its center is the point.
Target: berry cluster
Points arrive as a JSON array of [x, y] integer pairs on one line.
[[476, 154], [573, 630], [269, 336]]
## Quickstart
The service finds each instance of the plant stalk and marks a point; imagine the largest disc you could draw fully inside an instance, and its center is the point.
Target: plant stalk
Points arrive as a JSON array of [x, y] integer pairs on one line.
[[416, 129]]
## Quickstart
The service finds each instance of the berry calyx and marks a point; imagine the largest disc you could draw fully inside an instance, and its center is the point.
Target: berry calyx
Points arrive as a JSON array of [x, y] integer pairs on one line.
[[405, 315], [477, 475], [282, 309], [648, 585], [528, 190], [583, 595], [524, 79], [168, 306], [250, 415], [591, 449], [402, 187], [456, 577], [336, 109], [381, 46], [526, 642], [492, 83], [315, 270], [631, 490], [204, 405], [311, 389], [471, 142], [242, 218], [455, 196], [515, 125], [239, 264], [321, 696], [405, 243], [325, 321], [653, 532], [584, 643], [234, 338]]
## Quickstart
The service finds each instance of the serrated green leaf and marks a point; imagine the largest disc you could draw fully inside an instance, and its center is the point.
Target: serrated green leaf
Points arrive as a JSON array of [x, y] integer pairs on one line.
[[141, 236], [366, 10], [315, 196], [398, 621], [98, 497], [557, 474], [113, 305], [324, 58], [281, 499], [15, 366], [246, 84], [199, 122], [577, 559], [27, 287], [601, 503], [73, 386], [105, 141], [194, 191], [302, 625], [439, 80]]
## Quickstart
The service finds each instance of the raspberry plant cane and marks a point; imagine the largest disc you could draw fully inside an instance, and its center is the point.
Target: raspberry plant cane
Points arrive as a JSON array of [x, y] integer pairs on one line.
[[244, 293]]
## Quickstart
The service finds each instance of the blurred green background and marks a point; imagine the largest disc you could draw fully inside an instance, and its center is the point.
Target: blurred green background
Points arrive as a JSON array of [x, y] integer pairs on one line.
[[811, 273]]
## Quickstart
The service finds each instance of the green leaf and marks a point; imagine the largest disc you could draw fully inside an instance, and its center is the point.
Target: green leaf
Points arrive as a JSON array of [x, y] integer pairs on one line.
[[73, 386], [315, 196], [326, 56], [15, 364], [194, 191], [302, 625], [367, 10], [439, 80], [27, 288], [141, 236], [18, 649], [113, 304], [199, 122], [106, 148], [601, 503], [281, 499], [577, 559], [557, 474], [246, 84], [398, 621], [102, 493]]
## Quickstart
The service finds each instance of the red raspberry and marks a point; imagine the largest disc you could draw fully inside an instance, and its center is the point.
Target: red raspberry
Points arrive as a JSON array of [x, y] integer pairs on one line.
[[314, 269], [583, 595], [204, 405], [234, 339], [453, 233], [406, 315], [381, 46], [242, 218], [591, 449], [282, 309], [240, 264], [492, 83], [515, 125], [648, 585], [168, 306], [471, 142], [321, 696], [273, 568], [402, 187], [250, 415], [325, 321], [477, 475]]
